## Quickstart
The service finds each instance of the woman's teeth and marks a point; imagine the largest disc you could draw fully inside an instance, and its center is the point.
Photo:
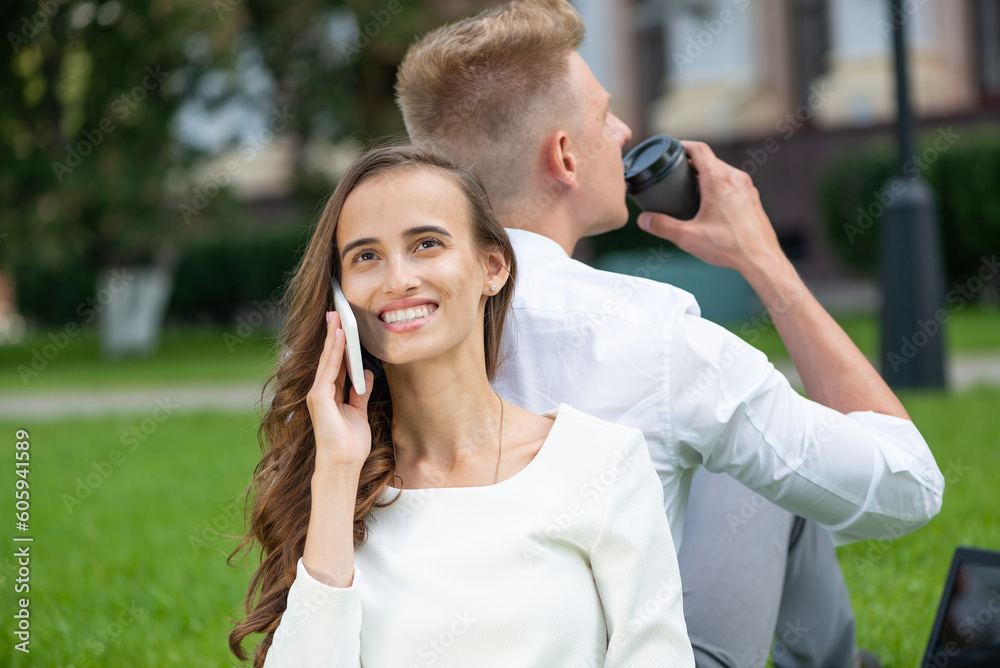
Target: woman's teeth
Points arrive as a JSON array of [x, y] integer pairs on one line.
[[408, 314]]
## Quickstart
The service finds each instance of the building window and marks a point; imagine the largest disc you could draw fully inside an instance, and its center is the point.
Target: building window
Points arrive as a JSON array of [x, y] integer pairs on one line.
[[811, 42], [988, 49], [651, 61], [651, 75]]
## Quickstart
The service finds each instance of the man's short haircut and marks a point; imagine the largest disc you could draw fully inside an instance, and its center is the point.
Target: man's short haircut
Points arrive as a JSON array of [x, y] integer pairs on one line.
[[487, 88]]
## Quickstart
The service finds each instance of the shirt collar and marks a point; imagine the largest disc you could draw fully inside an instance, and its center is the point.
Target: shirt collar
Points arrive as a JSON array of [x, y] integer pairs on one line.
[[536, 242]]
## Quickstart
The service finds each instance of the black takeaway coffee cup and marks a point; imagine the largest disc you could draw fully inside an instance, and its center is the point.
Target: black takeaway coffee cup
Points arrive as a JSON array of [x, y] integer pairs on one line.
[[659, 178]]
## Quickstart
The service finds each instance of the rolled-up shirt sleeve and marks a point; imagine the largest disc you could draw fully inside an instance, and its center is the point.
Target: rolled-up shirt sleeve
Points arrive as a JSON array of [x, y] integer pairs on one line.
[[862, 475], [321, 626]]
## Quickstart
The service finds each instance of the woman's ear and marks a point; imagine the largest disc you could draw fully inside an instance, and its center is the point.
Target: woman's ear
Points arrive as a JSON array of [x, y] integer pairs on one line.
[[496, 271]]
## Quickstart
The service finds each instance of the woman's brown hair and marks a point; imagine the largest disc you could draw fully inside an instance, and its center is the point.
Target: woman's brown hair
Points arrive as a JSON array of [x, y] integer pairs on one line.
[[281, 485]]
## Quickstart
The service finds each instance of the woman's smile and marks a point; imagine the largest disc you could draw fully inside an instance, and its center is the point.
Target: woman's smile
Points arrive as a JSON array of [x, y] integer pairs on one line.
[[408, 319]]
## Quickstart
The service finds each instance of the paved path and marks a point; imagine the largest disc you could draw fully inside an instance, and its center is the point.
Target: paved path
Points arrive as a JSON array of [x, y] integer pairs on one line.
[[239, 398], [964, 371]]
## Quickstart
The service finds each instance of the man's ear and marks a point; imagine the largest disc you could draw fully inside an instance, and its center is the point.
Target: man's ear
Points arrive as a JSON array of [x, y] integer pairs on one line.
[[496, 271], [561, 161]]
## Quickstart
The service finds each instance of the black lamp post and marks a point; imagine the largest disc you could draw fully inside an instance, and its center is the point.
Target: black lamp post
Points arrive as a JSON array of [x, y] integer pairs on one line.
[[911, 265]]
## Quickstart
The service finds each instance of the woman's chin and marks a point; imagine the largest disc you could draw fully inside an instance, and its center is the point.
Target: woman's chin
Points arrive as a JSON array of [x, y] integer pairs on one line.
[[415, 355], [401, 357]]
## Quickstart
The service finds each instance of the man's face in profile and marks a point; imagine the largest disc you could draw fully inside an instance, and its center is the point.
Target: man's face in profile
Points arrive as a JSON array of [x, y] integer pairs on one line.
[[598, 137]]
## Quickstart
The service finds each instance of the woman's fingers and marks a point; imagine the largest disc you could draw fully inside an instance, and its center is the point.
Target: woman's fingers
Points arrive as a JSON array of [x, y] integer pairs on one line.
[[323, 356], [341, 363], [333, 352], [360, 401]]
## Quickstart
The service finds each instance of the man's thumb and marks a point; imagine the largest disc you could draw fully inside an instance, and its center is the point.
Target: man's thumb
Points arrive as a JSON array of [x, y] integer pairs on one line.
[[658, 224]]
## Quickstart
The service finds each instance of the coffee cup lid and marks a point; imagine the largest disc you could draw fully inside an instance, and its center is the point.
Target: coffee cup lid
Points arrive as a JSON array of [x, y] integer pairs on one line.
[[651, 161]]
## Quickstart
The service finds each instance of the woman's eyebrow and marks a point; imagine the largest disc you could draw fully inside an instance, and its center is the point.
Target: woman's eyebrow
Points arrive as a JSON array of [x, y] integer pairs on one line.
[[422, 229], [357, 242]]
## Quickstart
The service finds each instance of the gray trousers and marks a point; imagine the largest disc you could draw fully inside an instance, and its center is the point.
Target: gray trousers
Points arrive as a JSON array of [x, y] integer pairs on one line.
[[753, 572]]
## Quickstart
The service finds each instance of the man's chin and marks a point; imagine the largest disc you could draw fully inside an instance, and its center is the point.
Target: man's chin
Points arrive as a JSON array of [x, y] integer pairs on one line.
[[615, 223], [622, 218]]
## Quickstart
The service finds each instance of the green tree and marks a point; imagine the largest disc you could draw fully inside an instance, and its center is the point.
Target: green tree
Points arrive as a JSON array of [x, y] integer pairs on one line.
[[92, 171]]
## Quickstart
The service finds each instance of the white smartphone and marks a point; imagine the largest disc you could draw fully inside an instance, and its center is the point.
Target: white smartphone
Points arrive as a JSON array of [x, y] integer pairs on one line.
[[350, 326]]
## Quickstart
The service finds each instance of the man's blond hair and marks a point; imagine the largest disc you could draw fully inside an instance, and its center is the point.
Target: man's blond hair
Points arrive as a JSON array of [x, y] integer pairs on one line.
[[487, 88]]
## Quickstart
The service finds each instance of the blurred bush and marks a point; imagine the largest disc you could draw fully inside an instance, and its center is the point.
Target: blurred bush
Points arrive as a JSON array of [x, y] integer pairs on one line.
[[54, 294], [215, 279], [964, 176]]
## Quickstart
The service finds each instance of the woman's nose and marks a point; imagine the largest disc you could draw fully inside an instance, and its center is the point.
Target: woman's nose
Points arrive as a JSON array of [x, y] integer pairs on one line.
[[400, 277]]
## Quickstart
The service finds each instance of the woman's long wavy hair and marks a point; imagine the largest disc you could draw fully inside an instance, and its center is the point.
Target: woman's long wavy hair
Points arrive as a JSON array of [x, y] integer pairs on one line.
[[280, 488]]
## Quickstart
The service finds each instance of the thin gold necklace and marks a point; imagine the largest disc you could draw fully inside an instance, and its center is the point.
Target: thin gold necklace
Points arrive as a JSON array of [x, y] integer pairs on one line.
[[496, 476]]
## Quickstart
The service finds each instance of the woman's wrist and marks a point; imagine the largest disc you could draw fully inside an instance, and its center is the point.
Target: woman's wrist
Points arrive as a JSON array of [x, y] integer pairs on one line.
[[336, 475]]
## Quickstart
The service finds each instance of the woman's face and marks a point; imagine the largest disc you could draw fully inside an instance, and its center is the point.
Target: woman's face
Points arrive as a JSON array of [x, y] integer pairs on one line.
[[409, 268]]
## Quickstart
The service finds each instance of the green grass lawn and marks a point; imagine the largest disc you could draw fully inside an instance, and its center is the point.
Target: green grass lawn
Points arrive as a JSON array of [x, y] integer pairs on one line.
[[895, 586], [127, 568], [185, 356], [973, 329]]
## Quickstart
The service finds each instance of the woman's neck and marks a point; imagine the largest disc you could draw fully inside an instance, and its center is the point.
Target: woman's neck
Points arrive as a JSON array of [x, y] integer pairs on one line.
[[444, 413]]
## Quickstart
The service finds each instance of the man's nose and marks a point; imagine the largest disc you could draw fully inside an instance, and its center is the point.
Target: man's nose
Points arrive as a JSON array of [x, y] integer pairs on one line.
[[623, 131], [626, 132]]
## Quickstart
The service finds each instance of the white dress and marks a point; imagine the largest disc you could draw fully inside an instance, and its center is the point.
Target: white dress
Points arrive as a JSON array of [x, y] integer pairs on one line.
[[569, 563]]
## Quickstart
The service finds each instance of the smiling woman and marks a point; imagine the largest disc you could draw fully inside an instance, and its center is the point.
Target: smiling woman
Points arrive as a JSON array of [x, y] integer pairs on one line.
[[413, 269], [428, 521]]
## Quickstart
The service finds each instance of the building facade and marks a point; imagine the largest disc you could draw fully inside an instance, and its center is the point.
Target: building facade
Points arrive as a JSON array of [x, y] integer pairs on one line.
[[781, 87]]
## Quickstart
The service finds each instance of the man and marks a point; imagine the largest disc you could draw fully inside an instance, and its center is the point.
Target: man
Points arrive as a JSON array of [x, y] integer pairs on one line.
[[506, 93]]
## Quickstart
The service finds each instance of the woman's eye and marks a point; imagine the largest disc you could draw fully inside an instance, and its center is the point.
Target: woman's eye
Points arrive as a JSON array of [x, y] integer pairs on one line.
[[433, 242], [363, 256]]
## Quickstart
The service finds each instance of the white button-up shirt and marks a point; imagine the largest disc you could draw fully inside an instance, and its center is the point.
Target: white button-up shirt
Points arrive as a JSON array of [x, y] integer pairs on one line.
[[637, 352]]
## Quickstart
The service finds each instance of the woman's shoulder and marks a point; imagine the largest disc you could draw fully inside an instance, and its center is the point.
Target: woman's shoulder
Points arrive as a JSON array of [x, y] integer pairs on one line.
[[588, 433], [578, 419], [575, 443]]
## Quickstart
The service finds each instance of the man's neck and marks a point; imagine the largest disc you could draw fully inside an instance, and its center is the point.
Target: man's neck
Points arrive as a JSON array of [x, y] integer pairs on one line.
[[547, 223]]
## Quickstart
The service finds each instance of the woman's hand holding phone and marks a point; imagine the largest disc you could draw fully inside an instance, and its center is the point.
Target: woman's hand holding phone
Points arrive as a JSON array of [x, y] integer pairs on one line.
[[343, 441], [343, 436]]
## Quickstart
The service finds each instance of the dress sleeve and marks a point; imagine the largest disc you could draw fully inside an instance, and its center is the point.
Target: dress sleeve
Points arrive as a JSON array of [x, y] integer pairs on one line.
[[635, 565], [321, 627], [862, 475]]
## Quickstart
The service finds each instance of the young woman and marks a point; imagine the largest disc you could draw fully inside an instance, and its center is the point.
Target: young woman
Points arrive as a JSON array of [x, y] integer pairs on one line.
[[429, 522]]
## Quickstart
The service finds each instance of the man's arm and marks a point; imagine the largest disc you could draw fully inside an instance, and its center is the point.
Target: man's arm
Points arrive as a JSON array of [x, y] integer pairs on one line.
[[861, 474], [731, 230]]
